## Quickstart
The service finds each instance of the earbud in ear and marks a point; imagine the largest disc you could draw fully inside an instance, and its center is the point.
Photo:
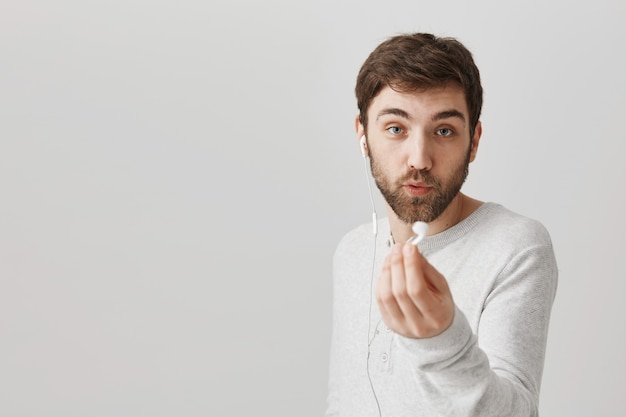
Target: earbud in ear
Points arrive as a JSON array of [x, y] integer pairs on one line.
[[363, 144]]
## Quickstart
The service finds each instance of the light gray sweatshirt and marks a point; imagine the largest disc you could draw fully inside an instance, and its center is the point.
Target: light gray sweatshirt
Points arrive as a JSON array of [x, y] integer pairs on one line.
[[501, 269]]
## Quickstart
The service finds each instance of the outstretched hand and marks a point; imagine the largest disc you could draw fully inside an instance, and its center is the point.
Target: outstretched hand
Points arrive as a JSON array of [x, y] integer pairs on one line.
[[413, 297]]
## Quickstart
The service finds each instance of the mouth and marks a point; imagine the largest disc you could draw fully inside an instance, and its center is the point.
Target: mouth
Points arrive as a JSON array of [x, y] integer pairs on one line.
[[416, 189]]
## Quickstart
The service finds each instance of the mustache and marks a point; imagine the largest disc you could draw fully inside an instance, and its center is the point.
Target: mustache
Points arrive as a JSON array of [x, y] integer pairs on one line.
[[420, 176]]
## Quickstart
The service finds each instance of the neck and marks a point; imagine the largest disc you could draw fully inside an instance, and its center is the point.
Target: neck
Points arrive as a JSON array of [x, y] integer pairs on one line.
[[458, 209]]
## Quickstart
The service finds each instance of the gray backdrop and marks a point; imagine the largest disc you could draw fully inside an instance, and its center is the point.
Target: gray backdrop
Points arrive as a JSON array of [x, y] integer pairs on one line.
[[175, 177]]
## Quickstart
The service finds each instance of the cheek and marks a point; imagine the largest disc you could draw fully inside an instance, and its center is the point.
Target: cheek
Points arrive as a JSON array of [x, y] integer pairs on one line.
[[391, 158], [379, 166], [386, 166], [451, 162]]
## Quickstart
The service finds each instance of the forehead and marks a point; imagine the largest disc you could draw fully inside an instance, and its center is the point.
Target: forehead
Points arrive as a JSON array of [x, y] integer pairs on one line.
[[420, 103]]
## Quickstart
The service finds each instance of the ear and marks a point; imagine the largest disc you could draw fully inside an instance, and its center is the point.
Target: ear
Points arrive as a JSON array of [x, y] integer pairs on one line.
[[475, 141], [358, 126], [360, 132]]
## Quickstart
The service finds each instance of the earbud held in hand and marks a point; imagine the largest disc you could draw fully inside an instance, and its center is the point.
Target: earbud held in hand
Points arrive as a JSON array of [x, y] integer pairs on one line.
[[420, 229]]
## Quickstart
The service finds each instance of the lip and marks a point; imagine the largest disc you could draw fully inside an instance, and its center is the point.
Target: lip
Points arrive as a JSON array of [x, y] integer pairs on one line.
[[417, 189]]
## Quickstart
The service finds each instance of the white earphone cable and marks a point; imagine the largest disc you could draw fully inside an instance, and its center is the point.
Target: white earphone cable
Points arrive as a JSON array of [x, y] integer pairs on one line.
[[369, 319]]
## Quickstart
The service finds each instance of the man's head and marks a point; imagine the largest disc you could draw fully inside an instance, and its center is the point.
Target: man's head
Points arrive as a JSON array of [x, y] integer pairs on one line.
[[417, 62], [419, 103]]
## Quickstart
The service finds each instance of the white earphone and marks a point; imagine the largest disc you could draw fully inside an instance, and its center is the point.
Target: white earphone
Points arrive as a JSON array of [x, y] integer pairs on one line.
[[363, 144], [420, 229]]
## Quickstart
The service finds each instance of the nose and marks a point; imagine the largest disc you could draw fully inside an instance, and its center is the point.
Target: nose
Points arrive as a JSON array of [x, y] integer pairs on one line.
[[418, 152]]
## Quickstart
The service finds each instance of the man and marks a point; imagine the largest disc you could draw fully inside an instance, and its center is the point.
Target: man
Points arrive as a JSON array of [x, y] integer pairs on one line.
[[458, 327]]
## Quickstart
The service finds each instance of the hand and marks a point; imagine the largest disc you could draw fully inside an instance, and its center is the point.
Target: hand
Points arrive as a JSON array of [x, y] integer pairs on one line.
[[413, 297]]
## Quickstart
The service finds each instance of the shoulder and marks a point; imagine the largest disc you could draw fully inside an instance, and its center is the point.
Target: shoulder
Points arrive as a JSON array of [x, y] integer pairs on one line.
[[500, 237], [524, 245], [360, 242], [354, 240], [505, 225]]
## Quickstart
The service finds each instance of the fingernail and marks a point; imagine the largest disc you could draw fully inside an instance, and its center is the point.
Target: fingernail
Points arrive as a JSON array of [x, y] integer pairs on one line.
[[407, 249]]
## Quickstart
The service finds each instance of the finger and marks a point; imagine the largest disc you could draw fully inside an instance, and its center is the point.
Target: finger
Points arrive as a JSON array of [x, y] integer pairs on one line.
[[410, 311], [417, 287], [428, 280], [389, 309], [437, 283], [428, 288]]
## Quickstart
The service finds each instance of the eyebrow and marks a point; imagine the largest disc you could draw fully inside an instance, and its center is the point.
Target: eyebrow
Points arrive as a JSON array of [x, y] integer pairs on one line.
[[446, 114], [394, 111]]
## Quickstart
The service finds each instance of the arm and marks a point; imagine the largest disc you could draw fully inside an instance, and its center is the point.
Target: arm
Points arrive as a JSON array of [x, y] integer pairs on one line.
[[459, 373]]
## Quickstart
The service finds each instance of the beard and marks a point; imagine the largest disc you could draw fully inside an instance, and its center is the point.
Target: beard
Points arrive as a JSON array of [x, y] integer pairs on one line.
[[411, 209]]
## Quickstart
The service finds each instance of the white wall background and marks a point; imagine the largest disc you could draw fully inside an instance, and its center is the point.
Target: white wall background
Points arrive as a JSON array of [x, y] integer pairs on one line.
[[174, 177]]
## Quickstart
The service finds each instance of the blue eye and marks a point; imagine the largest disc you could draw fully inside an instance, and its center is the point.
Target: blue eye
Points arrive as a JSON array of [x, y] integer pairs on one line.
[[444, 132], [394, 130]]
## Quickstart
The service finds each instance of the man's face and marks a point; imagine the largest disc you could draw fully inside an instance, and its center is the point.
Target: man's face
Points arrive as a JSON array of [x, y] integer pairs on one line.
[[420, 149]]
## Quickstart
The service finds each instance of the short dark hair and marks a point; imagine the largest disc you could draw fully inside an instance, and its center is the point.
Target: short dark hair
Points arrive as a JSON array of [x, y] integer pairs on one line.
[[419, 61]]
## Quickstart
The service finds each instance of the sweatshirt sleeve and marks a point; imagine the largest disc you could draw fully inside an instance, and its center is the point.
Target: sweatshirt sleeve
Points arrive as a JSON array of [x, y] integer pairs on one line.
[[497, 370]]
